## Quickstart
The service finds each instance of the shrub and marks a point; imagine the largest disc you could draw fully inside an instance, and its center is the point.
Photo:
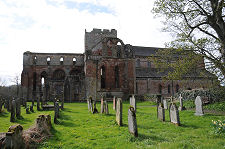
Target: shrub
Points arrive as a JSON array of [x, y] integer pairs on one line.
[[219, 127], [150, 97]]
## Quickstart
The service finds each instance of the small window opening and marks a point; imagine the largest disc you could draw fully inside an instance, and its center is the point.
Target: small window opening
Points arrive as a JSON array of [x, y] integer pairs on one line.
[[103, 77], [74, 60], [35, 60], [48, 60], [61, 60], [138, 63]]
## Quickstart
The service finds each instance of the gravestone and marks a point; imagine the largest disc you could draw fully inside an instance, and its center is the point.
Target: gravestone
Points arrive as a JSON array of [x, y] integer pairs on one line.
[[18, 108], [38, 103], [31, 108], [165, 104], [133, 102], [106, 108], [114, 103], [95, 109], [132, 123], [102, 105], [119, 109], [181, 107], [198, 106], [56, 109], [88, 103], [27, 110], [91, 105], [1, 103], [160, 112], [13, 110], [174, 114]]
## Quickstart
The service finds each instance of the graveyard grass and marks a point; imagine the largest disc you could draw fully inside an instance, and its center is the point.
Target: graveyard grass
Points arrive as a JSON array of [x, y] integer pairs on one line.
[[77, 128]]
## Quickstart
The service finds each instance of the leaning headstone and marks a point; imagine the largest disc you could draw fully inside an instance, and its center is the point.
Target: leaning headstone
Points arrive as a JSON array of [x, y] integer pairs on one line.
[[119, 109], [102, 105], [160, 112], [132, 123], [181, 107], [95, 109], [13, 110], [18, 108], [133, 102], [174, 114], [114, 103], [165, 104], [38, 103], [106, 108], [198, 106], [31, 108]]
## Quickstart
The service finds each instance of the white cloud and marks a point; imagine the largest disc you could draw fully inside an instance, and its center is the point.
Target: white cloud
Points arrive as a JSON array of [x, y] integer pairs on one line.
[[48, 26]]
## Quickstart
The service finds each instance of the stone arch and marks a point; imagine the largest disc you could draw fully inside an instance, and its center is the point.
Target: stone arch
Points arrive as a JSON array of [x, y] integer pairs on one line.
[[117, 47]]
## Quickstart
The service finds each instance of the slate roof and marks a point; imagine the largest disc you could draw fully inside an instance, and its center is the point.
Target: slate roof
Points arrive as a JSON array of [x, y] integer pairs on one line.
[[144, 51]]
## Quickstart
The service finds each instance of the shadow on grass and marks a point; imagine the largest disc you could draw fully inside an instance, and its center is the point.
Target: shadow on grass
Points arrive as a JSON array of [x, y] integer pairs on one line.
[[145, 127], [142, 137], [189, 126], [63, 116], [3, 114], [23, 120], [66, 124]]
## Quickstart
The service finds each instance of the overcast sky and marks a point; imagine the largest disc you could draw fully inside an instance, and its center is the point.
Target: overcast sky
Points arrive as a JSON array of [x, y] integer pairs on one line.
[[58, 26]]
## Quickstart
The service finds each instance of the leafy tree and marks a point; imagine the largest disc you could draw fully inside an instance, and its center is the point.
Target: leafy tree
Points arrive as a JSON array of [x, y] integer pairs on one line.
[[199, 30]]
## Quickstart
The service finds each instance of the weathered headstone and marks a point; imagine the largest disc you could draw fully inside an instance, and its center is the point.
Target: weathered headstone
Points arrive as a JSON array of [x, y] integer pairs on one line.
[[27, 110], [88, 103], [119, 109], [174, 114], [106, 108], [102, 105], [95, 109], [56, 115], [132, 123], [91, 105], [31, 108], [165, 104], [160, 112], [133, 102], [13, 110], [181, 107], [114, 103], [1, 103], [18, 108], [38, 103], [198, 106]]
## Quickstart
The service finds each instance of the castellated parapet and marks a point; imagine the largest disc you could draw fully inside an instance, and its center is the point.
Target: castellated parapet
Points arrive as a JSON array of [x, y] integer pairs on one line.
[[93, 38]]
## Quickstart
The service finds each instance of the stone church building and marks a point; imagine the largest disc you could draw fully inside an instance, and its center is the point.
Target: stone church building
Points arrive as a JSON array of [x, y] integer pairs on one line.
[[108, 67]]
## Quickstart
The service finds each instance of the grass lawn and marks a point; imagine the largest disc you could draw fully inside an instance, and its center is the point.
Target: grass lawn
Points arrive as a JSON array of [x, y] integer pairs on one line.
[[79, 129]]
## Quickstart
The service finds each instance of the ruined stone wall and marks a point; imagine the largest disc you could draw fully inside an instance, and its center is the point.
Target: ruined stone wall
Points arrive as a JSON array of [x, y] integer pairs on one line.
[[50, 66]]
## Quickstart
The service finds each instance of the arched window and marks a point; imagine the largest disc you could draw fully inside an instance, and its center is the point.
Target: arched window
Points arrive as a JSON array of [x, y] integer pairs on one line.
[[169, 89], [177, 88], [48, 60], [160, 89], [61, 60], [59, 74], [35, 60], [103, 77], [74, 60], [116, 77]]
